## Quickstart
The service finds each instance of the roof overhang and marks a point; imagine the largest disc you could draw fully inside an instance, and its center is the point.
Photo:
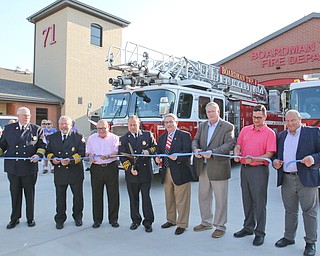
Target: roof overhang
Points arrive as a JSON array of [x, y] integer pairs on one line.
[[61, 4]]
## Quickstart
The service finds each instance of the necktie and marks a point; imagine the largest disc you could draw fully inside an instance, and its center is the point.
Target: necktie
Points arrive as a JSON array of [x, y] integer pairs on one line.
[[22, 129], [64, 137], [167, 149]]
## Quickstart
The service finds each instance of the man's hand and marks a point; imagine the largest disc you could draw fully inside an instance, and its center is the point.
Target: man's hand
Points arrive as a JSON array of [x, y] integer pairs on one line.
[[308, 161], [65, 161], [174, 158], [35, 158], [277, 164], [55, 161], [207, 154], [145, 152], [158, 160], [198, 155], [134, 172], [248, 159]]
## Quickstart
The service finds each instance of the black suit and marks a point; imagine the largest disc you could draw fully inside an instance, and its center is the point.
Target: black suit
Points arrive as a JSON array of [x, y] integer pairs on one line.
[[22, 174], [176, 178], [142, 181], [74, 148]]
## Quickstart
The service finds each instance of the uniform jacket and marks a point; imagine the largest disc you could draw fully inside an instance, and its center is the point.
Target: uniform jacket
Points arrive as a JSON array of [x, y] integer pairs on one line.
[[74, 148], [15, 144], [309, 144], [221, 142], [180, 168], [145, 141]]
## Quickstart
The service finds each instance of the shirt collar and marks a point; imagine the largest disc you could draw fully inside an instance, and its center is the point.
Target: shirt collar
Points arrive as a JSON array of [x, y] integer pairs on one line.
[[297, 132]]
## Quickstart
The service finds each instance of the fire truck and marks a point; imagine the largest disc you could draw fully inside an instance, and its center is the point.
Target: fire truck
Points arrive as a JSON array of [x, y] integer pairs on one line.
[[152, 84], [305, 97]]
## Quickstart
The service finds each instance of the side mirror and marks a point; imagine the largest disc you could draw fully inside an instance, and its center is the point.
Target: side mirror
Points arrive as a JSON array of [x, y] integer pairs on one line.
[[285, 99], [164, 106]]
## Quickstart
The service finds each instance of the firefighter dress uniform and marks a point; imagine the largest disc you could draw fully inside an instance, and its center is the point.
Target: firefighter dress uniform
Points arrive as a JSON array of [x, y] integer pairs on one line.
[[22, 174], [72, 147]]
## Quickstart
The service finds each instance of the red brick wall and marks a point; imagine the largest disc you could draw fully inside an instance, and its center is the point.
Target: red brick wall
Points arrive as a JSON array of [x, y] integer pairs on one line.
[[54, 111], [308, 32]]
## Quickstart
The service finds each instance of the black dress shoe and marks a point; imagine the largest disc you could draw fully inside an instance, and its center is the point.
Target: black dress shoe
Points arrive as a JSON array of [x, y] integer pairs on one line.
[[283, 242], [258, 240], [31, 223], [59, 226], [96, 225], [310, 249], [78, 223], [115, 224], [134, 226], [179, 231], [148, 229], [167, 225], [242, 233], [12, 224]]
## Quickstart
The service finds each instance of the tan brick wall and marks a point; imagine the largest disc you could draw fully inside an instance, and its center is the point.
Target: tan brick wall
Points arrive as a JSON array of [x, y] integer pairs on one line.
[[73, 67], [305, 33]]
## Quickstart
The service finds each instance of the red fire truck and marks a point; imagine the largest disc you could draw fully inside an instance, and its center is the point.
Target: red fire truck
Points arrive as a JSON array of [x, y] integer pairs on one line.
[[305, 97], [152, 84]]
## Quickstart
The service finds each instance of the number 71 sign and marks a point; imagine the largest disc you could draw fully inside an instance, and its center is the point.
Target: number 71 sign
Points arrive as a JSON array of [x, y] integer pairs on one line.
[[49, 35]]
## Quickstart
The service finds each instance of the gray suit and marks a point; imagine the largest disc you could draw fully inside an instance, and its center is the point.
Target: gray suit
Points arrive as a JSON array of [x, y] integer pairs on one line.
[[214, 172]]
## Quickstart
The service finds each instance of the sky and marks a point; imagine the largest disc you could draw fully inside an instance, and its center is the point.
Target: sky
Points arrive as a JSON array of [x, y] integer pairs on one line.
[[202, 30]]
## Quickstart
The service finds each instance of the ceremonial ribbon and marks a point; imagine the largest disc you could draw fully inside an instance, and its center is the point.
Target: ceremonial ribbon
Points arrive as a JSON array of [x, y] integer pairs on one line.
[[138, 155]]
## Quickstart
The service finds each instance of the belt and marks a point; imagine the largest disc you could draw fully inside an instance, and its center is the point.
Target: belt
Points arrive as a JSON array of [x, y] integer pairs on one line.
[[291, 173], [248, 165], [104, 165]]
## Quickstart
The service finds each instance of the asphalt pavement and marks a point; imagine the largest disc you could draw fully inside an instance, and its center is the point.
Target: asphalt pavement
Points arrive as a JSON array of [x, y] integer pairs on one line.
[[45, 239]]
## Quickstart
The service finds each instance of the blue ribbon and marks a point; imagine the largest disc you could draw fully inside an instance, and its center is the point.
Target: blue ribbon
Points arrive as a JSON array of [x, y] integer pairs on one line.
[[291, 162], [140, 155]]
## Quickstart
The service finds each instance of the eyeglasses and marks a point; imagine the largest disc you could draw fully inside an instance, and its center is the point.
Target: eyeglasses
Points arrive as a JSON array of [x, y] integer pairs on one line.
[[46, 123], [257, 117]]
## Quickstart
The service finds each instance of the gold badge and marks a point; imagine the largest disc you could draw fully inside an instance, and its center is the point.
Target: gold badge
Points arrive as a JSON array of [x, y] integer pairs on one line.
[[144, 143], [73, 149]]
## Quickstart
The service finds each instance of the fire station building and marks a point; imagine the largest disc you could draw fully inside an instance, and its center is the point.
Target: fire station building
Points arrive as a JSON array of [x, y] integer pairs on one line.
[[282, 57]]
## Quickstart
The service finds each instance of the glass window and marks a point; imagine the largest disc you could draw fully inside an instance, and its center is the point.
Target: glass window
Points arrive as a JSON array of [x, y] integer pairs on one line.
[[220, 103], [184, 105], [203, 101], [96, 34], [41, 113], [115, 105], [147, 103]]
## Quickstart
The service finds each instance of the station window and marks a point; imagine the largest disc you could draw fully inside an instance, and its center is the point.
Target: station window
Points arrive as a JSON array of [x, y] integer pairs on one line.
[[96, 34], [220, 103], [184, 105], [41, 113]]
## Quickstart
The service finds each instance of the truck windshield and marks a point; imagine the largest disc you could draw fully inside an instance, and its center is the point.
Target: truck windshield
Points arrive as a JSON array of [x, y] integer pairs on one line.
[[115, 105], [146, 103], [307, 102]]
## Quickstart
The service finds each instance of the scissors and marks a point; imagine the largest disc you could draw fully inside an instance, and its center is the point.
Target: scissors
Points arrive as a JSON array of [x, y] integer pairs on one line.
[[135, 158]]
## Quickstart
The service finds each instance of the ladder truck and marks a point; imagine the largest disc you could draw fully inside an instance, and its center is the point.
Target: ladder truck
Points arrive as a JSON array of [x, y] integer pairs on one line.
[[151, 84]]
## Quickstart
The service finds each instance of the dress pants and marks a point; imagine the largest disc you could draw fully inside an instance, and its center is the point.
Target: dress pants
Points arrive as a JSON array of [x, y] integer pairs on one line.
[[254, 185], [61, 202], [220, 190], [293, 193], [134, 190], [177, 198], [108, 177], [19, 184]]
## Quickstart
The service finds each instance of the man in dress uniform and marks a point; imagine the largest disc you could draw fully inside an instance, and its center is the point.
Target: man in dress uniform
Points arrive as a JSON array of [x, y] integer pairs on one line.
[[22, 140], [138, 171], [65, 151]]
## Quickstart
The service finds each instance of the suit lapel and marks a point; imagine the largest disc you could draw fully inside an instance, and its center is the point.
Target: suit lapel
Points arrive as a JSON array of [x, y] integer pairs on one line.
[[216, 131]]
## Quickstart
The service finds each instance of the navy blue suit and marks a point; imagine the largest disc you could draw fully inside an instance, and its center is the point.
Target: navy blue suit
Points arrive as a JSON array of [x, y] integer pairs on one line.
[[301, 189], [22, 174], [181, 143], [309, 144]]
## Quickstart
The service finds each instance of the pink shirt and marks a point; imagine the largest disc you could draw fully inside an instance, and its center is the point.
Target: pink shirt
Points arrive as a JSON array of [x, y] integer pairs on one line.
[[102, 146], [256, 142]]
